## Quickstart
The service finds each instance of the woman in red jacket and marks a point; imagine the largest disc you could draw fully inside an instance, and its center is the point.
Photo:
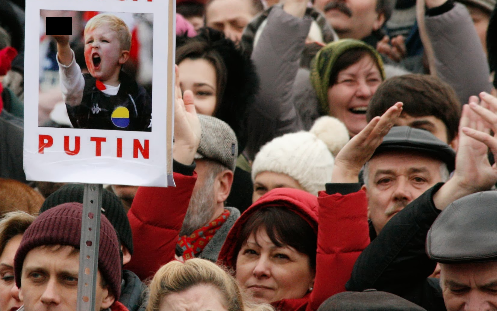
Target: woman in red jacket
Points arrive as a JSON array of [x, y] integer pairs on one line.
[[283, 253]]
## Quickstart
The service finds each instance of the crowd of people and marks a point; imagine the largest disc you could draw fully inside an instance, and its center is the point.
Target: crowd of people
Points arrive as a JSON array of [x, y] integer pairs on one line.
[[328, 155]]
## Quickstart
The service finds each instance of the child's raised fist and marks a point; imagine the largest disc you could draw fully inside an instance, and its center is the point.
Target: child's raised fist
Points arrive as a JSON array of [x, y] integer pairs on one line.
[[61, 39]]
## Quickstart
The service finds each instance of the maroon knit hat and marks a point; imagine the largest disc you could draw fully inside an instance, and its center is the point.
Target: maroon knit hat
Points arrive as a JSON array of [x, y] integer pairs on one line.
[[61, 225]]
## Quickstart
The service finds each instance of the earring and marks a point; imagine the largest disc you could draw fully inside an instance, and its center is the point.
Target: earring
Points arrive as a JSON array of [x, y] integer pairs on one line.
[[311, 288]]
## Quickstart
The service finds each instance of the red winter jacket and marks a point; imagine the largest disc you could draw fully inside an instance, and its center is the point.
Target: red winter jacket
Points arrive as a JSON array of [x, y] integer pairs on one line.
[[342, 233], [155, 228], [117, 306]]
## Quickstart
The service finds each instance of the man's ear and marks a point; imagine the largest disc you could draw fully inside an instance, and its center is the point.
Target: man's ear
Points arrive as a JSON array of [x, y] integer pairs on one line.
[[107, 299], [380, 20], [124, 57], [224, 180], [455, 143], [126, 254], [366, 190]]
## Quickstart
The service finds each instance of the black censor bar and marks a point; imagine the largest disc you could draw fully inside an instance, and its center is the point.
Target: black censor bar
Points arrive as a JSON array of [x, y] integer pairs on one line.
[[58, 26]]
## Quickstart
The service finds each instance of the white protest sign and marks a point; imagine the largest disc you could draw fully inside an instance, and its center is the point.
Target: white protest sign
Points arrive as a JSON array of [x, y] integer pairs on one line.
[[121, 133]]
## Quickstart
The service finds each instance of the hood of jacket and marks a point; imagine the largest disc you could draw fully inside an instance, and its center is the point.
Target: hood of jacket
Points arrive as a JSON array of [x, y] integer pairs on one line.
[[298, 201]]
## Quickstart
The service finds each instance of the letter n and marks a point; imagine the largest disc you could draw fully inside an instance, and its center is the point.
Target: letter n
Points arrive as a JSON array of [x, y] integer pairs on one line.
[[138, 147]]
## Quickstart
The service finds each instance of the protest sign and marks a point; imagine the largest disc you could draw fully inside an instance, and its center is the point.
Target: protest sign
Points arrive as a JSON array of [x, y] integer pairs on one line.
[[108, 128]]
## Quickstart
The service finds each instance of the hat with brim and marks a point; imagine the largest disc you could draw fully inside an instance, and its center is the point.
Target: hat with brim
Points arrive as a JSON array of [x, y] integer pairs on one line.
[[405, 138], [465, 231]]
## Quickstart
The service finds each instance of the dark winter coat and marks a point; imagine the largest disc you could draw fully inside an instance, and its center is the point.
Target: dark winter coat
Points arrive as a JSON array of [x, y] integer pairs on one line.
[[396, 261]]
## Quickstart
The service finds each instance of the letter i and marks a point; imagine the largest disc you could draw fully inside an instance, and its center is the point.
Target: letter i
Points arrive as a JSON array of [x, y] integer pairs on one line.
[[119, 147]]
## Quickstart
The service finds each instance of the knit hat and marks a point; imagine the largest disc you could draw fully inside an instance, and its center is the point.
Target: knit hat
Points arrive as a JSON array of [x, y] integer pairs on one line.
[[325, 60], [112, 208], [369, 300], [307, 157], [217, 142], [486, 5], [61, 225]]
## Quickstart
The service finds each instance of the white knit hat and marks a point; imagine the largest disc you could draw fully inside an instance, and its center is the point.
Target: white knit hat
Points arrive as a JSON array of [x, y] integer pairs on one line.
[[307, 157]]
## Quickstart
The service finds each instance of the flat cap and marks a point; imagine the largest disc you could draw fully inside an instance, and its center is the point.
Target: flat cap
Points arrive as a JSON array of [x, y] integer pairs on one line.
[[466, 230], [369, 300], [217, 142], [405, 138]]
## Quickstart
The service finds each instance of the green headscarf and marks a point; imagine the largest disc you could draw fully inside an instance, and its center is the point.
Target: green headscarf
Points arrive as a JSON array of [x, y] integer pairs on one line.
[[322, 66]]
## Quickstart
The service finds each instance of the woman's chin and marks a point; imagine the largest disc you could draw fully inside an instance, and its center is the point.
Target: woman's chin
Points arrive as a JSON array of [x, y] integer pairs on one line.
[[257, 298]]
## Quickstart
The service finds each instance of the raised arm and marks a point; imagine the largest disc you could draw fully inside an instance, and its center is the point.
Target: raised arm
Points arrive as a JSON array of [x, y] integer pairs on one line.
[[473, 170], [276, 58], [458, 56], [157, 214], [360, 148]]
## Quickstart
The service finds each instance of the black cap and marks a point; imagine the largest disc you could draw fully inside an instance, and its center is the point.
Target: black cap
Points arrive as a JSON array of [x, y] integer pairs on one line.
[[112, 208], [369, 300], [405, 138], [465, 231]]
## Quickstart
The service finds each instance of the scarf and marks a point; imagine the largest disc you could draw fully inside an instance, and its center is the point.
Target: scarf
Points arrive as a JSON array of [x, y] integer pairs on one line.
[[194, 244], [325, 60]]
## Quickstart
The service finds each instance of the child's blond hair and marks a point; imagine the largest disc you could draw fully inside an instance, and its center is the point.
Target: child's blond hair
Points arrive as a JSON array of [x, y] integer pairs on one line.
[[116, 24]]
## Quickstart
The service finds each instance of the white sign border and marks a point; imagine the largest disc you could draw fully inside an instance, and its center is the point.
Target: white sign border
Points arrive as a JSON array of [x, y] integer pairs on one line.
[[54, 164]]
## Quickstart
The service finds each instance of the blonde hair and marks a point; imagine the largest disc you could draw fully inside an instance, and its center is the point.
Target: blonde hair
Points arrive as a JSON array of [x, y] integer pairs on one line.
[[12, 224], [177, 276], [116, 24]]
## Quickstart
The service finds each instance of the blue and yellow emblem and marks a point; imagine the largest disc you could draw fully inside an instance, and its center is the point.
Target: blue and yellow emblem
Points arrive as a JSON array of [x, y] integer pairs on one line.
[[120, 117]]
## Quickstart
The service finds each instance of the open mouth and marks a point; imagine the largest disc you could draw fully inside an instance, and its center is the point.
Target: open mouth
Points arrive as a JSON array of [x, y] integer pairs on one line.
[[96, 60], [358, 110]]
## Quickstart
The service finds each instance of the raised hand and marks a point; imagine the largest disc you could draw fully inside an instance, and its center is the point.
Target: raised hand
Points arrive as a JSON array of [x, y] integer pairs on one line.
[[361, 147], [295, 7], [187, 128], [473, 171], [61, 39], [395, 49], [64, 52]]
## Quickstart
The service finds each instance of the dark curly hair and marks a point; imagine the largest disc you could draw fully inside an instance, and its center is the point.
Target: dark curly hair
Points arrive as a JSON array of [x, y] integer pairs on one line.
[[237, 81]]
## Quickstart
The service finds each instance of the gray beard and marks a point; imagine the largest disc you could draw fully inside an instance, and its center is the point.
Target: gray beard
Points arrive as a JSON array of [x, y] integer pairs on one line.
[[200, 210]]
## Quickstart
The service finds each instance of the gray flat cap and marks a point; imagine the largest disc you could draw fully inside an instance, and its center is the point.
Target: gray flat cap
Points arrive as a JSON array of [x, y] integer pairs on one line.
[[217, 142], [406, 138], [369, 300], [466, 230]]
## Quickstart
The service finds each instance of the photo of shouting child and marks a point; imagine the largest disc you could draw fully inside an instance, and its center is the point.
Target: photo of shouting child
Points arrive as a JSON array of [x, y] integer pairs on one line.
[[106, 98]]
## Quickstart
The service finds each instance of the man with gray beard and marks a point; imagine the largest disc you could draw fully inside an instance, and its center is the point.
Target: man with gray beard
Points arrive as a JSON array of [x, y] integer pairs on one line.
[[159, 218]]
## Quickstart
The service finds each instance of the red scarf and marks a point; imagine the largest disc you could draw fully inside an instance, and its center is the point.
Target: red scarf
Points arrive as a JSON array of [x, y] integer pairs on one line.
[[194, 243]]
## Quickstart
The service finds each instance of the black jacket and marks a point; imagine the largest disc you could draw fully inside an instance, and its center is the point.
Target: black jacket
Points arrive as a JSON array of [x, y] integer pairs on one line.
[[134, 294], [96, 110], [11, 147], [396, 260]]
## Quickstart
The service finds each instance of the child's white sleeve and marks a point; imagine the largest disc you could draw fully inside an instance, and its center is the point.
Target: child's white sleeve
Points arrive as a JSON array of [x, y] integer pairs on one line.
[[72, 82]]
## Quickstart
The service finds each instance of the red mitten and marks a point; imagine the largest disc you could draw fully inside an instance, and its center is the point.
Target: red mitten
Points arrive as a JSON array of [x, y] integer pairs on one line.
[[6, 56]]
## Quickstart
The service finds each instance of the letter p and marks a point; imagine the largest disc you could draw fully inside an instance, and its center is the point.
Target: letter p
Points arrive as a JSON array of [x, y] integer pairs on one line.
[[45, 141]]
